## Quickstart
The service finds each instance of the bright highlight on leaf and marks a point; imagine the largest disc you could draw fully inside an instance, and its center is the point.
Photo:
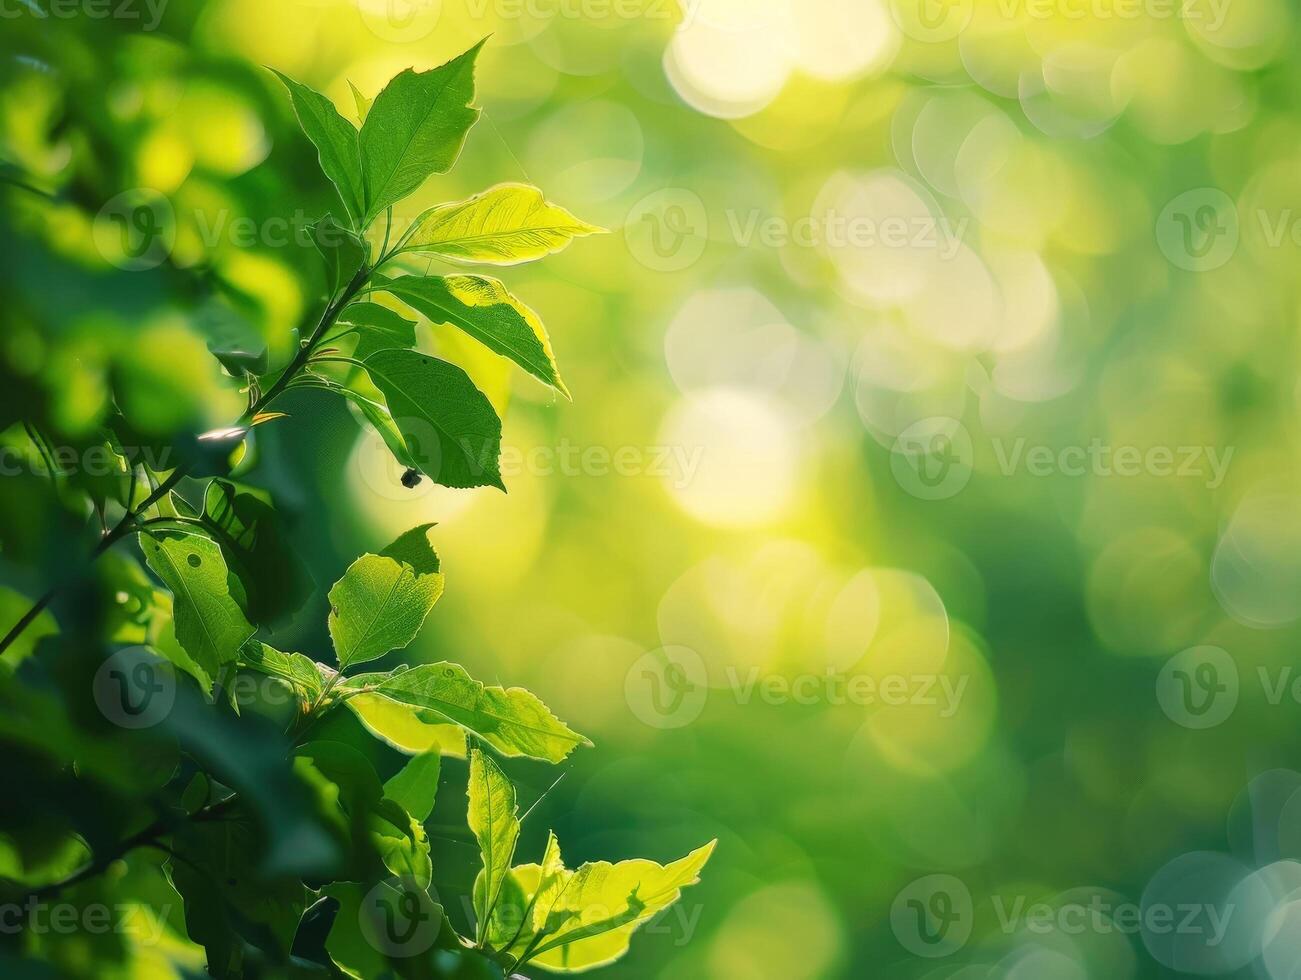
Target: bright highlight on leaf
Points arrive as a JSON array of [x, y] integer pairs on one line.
[[210, 625], [487, 312], [494, 821], [512, 720], [572, 921], [415, 128], [450, 429], [335, 140], [381, 603], [505, 225]]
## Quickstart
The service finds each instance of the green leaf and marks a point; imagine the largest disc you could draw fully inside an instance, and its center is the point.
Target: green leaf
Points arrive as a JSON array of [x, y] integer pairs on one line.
[[596, 911], [249, 532], [210, 624], [378, 328], [505, 225], [512, 720], [415, 787], [381, 602], [449, 427], [343, 250], [482, 307], [381, 420], [362, 103], [336, 141], [415, 128], [494, 821], [302, 672], [406, 728]]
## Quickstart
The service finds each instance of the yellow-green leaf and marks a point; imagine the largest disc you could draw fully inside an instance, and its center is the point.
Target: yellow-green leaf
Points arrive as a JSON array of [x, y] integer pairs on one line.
[[483, 308], [512, 720], [505, 225], [494, 821]]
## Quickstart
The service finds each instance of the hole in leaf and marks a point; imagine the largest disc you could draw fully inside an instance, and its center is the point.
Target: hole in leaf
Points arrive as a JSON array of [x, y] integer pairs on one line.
[[195, 561]]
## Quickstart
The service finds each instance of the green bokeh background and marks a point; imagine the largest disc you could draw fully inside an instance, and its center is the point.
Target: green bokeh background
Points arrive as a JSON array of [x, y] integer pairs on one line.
[[886, 290]]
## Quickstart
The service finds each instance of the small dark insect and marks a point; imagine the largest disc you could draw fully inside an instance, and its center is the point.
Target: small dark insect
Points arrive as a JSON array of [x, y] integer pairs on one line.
[[411, 479]]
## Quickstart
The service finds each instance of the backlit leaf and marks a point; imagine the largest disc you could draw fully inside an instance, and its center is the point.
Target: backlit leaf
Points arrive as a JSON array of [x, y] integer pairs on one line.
[[505, 225], [416, 127], [450, 429], [494, 821], [210, 624], [512, 720], [335, 139], [482, 307], [381, 602]]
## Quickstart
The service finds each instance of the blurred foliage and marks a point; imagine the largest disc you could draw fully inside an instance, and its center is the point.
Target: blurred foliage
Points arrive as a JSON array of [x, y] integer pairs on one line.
[[851, 235]]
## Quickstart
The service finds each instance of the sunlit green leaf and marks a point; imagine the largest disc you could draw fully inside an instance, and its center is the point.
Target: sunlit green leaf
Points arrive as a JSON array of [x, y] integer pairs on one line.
[[597, 909], [408, 728], [415, 128], [512, 720], [494, 821], [336, 141], [449, 427], [210, 624], [415, 786], [294, 668], [483, 308], [505, 225], [381, 602], [362, 102]]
